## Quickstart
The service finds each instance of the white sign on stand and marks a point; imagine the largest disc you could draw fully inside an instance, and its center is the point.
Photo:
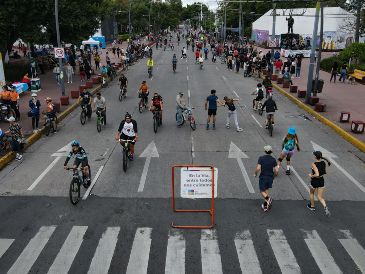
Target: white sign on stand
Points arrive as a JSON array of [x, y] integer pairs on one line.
[[196, 182], [59, 52]]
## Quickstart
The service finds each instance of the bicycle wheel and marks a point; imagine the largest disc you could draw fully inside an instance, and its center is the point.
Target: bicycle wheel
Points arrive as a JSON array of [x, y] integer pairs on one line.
[[270, 128], [182, 119], [121, 96], [192, 123], [83, 117], [48, 128], [98, 124], [125, 160], [140, 106], [74, 191], [155, 122]]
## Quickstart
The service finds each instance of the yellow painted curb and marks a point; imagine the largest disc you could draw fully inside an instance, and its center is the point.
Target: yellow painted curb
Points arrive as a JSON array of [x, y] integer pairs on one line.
[[344, 134]]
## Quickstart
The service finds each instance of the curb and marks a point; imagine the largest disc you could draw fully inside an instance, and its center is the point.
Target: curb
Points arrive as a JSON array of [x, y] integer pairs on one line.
[[344, 134]]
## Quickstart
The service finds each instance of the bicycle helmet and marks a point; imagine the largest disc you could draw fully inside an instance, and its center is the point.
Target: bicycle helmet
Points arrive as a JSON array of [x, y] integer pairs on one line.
[[292, 131], [181, 93], [75, 143], [259, 85], [127, 115]]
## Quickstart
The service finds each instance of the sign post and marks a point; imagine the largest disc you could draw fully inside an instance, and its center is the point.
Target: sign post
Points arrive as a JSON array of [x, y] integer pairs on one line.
[[2, 74]]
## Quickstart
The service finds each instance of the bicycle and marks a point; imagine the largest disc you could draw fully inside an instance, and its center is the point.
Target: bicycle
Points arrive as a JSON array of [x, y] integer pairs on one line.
[[270, 126], [50, 124], [83, 114], [174, 67], [126, 149], [157, 120], [100, 120], [149, 70], [123, 92], [187, 115], [77, 179], [257, 105], [142, 105]]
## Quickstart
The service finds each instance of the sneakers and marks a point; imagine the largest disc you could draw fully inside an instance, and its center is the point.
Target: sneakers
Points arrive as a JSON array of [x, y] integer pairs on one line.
[[327, 211], [18, 157], [239, 129], [287, 172], [310, 207], [228, 126], [213, 126], [130, 156], [269, 202], [207, 127], [264, 207]]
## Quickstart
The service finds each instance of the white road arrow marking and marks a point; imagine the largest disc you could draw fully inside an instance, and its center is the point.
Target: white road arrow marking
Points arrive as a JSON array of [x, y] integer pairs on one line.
[[331, 156], [148, 153], [62, 152], [236, 153]]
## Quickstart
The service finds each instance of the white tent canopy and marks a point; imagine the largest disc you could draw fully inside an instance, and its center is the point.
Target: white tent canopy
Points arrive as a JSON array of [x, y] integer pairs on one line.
[[90, 41], [335, 18]]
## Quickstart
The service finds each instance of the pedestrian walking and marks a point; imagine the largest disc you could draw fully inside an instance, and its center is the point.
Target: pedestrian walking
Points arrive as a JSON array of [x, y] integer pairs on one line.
[[118, 52], [343, 72], [317, 181], [14, 102], [34, 112], [298, 66], [82, 72], [232, 112], [334, 71], [289, 143], [16, 134], [268, 169], [211, 105], [56, 73], [107, 58], [97, 61], [238, 65], [69, 73]]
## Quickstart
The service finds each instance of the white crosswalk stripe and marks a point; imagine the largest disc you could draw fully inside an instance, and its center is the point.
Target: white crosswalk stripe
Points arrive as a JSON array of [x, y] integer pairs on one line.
[[320, 253], [31, 252], [4, 245], [138, 260], [175, 256], [282, 251], [104, 251], [246, 253], [210, 254], [68, 251], [354, 249]]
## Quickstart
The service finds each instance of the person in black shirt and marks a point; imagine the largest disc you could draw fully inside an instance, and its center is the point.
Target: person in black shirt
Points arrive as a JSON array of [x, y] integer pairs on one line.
[[343, 72], [267, 167], [334, 71], [85, 99], [317, 181], [270, 106]]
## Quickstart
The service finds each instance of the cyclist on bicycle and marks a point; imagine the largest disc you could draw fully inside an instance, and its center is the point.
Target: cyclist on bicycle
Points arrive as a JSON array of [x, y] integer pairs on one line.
[[51, 112], [270, 106], [143, 92], [123, 81], [180, 107], [150, 65], [85, 100], [80, 158], [174, 62], [259, 96], [99, 106], [157, 104], [128, 131]]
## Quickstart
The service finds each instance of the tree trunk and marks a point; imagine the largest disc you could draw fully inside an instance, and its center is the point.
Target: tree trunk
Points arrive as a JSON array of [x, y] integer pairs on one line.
[[358, 18]]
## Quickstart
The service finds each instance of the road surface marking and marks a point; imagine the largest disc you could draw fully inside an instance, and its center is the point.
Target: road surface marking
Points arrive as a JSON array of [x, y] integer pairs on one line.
[[31, 252], [224, 78], [192, 147], [140, 253], [282, 251], [4, 245], [187, 77], [187, 68], [105, 152], [210, 255], [246, 253], [189, 94], [235, 93], [256, 120], [320, 253], [236, 153], [354, 249], [44, 173], [175, 257], [68, 251], [300, 179], [148, 153], [87, 193], [104, 251], [216, 68]]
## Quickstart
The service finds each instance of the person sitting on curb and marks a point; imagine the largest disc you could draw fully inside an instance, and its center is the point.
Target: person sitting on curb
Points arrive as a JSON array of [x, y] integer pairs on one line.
[[16, 134]]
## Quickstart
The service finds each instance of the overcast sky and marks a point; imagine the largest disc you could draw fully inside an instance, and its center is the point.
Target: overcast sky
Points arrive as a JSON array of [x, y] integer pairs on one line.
[[212, 4]]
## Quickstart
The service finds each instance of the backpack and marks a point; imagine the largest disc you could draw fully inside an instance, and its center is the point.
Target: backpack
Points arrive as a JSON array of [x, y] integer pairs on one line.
[[260, 93], [290, 144]]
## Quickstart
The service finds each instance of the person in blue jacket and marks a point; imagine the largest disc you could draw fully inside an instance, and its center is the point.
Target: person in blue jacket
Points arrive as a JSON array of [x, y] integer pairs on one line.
[[34, 112]]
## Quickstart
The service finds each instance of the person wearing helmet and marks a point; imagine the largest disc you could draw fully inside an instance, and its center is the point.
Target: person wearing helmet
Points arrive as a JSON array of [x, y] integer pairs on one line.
[[270, 106], [156, 104], [127, 131], [85, 99], [180, 107], [51, 112], [123, 81], [289, 143], [80, 158], [259, 96]]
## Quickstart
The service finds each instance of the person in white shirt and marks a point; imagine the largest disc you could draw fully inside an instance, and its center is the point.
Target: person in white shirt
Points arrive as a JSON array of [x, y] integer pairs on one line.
[[69, 73], [128, 131], [99, 105]]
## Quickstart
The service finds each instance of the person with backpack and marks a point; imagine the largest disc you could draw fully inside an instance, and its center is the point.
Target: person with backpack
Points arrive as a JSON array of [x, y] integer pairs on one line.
[[317, 181], [232, 112], [289, 143], [206, 50], [259, 96]]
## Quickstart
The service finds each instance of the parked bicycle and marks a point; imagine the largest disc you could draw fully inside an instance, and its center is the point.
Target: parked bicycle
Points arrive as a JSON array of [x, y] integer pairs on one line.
[[187, 115], [126, 149]]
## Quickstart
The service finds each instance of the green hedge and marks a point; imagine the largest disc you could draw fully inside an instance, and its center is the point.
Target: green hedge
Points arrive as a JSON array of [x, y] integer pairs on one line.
[[123, 37], [15, 71]]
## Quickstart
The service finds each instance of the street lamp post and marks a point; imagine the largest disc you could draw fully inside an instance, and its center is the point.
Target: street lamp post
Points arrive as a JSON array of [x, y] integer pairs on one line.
[[60, 78], [149, 18]]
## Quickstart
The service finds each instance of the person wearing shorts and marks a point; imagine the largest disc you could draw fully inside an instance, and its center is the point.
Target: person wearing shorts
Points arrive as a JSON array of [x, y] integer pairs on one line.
[[290, 142], [268, 169], [317, 182], [211, 105]]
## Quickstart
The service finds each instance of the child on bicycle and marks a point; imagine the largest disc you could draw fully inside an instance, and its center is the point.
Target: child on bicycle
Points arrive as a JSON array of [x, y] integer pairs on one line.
[[259, 96], [270, 106]]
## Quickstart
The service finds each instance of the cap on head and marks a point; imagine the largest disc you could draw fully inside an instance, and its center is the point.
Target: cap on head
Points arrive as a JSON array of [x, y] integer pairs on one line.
[[34, 94], [11, 119], [48, 99], [268, 149], [128, 116], [181, 93], [292, 130], [317, 154]]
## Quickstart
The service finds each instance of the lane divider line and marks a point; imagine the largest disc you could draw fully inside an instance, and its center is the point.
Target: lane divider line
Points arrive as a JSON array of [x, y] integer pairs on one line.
[[86, 195], [256, 120], [40, 177], [235, 93]]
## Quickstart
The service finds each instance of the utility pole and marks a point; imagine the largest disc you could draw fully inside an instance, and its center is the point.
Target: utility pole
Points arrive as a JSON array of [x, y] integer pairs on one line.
[[319, 57], [358, 19], [129, 18], [240, 21], [312, 56], [149, 19], [273, 26], [60, 79]]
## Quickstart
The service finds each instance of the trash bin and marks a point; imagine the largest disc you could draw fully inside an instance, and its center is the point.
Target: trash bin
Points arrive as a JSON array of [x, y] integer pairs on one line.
[[35, 84], [320, 85]]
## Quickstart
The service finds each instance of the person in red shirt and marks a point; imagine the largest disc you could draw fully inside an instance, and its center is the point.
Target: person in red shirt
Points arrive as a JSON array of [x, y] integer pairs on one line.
[[278, 65], [26, 80], [197, 54]]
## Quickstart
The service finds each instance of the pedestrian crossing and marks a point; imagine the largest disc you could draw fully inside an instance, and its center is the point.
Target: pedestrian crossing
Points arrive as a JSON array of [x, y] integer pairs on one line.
[[247, 254]]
